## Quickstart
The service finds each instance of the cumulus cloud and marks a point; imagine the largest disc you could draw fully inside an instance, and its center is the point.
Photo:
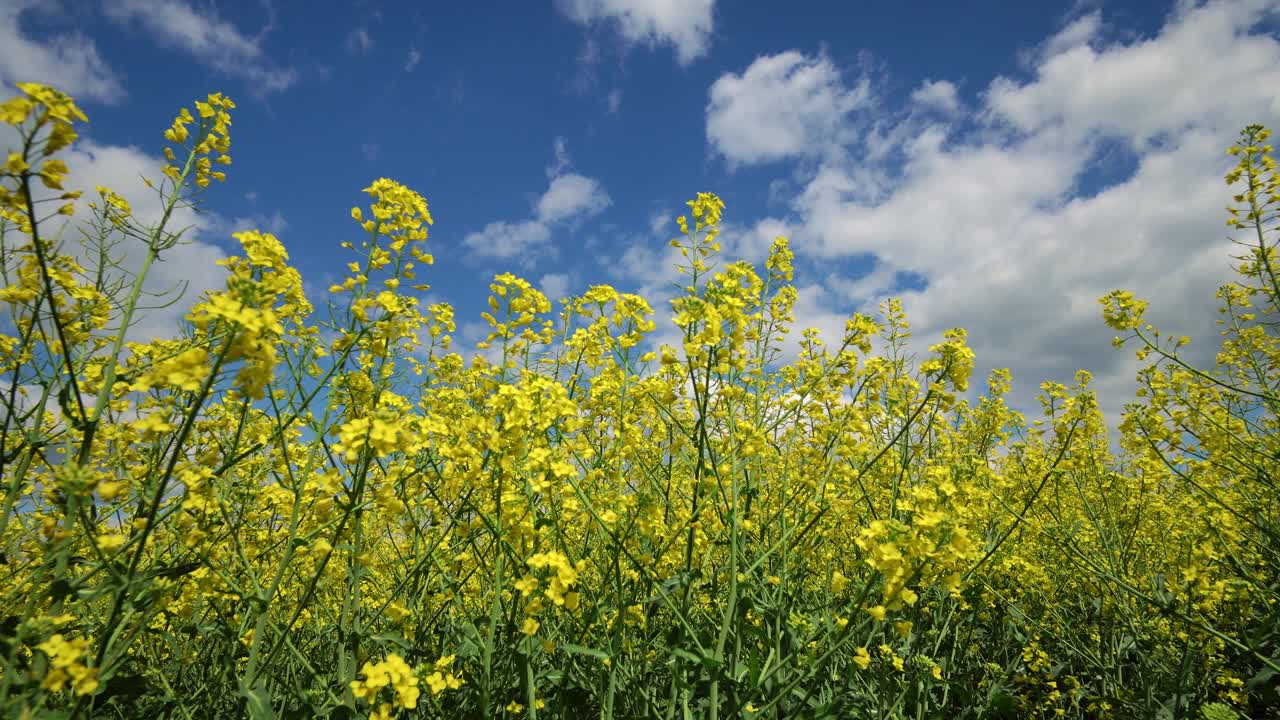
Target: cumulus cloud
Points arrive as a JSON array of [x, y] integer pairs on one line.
[[568, 197], [412, 60], [190, 266], [995, 221], [206, 37], [69, 62], [936, 95], [505, 240], [783, 106], [685, 25], [1204, 70], [997, 217], [571, 195]]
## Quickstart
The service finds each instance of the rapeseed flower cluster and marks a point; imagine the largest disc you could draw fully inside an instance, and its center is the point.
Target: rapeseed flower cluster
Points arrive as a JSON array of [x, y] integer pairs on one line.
[[286, 512], [391, 673], [66, 666]]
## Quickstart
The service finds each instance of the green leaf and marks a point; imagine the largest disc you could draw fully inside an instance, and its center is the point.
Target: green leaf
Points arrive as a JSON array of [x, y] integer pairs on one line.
[[393, 638], [467, 640], [580, 650], [258, 701], [1261, 680], [703, 660]]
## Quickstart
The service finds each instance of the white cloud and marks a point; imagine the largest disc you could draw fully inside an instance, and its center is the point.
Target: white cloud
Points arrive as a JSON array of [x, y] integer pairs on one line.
[[191, 264], [991, 222], [994, 221], [937, 95], [554, 286], [561, 151], [1081, 32], [568, 197], [815, 308], [588, 58], [661, 222], [614, 101], [752, 243], [650, 265], [784, 105], [686, 25], [274, 223], [412, 60], [206, 37], [359, 42], [505, 240], [867, 290], [1203, 70], [69, 62]]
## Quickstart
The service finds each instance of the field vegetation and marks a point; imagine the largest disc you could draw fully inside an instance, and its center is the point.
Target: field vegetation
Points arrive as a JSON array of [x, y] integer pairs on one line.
[[291, 511]]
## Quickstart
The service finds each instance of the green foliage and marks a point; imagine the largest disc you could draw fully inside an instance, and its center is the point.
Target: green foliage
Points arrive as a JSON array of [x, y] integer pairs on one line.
[[283, 513]]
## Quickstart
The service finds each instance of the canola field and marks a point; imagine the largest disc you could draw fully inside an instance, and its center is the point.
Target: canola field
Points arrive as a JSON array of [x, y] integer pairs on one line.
[[296, 510]]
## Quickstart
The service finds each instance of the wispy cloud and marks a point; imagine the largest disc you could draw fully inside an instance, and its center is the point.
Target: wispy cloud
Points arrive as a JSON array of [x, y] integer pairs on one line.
[[568, 197], [685, 25], [206, 37], [273, 223], [358, 42], [68, 61]]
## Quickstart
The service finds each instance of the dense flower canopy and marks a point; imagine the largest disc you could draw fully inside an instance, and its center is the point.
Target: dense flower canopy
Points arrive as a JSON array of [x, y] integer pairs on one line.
[[282, 511]]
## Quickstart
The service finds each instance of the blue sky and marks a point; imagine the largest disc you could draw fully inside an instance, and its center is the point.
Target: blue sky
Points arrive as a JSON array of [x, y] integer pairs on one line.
[[999, 165]]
